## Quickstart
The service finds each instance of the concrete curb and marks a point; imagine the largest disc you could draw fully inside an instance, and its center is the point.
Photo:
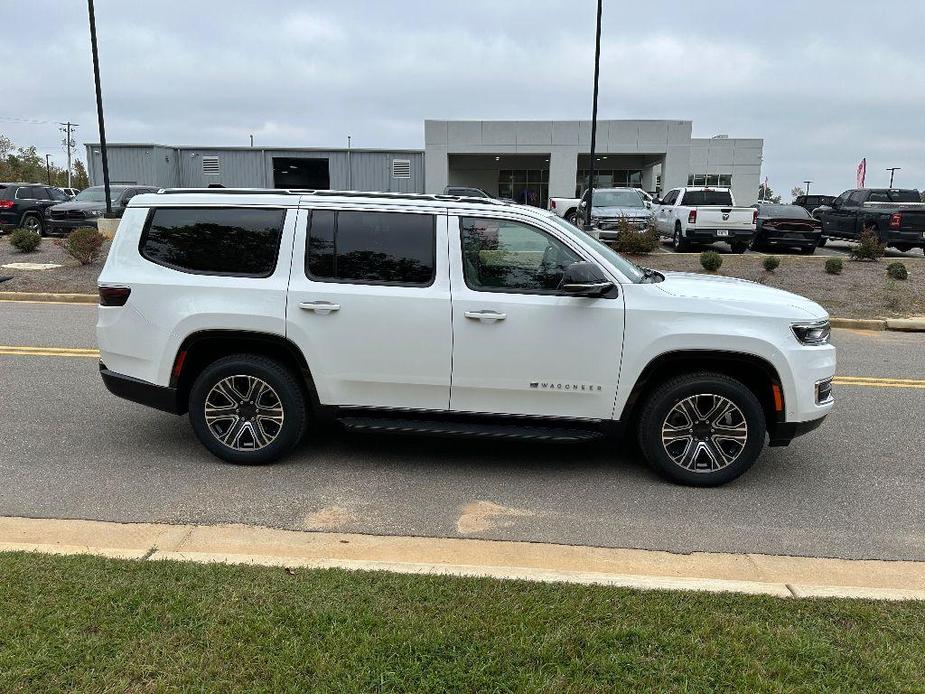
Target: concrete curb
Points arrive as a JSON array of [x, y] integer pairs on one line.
[[858, 323], [780, 576], [44, 297]]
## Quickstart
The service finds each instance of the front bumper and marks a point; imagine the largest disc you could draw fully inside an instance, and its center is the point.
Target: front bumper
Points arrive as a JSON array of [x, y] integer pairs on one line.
[[68, 224], [790, 238], [782, 433], [609, 229], [161, 398]]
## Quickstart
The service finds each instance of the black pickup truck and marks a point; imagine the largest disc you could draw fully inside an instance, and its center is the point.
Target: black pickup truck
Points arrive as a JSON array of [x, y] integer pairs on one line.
[[896, 216]]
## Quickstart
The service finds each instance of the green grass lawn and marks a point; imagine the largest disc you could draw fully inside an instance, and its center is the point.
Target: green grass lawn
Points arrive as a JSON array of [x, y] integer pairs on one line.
[[95, 624]]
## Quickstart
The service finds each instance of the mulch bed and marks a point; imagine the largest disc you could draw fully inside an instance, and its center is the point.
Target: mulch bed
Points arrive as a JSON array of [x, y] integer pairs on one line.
[[71, 278]]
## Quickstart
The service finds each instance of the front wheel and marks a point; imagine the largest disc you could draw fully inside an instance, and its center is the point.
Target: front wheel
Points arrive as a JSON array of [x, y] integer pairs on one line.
[[34, 223], [702, 429], [247, 409], [822, 241], [739, 247], [680, 243]]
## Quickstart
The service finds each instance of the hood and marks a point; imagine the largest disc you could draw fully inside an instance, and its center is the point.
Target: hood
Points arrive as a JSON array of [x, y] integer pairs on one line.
[[82, 206], [628, 212], [741, 295]]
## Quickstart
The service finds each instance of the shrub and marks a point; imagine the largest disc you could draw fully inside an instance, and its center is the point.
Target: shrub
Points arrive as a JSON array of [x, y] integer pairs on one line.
[[833, 266], [634, 242], [869, 247], [897, 271], [711, 260], [83, 244], [24, 240], [771, 263]]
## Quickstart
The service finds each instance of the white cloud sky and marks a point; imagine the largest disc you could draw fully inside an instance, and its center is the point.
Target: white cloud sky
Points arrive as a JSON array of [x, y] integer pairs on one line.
[[823, 82]]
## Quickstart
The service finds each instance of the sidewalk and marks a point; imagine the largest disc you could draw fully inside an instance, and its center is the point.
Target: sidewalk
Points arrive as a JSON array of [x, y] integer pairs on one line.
[[741, 573]]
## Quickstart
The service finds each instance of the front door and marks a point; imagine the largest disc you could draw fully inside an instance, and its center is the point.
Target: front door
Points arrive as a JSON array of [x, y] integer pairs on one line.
[[369, 306], [521, 346]]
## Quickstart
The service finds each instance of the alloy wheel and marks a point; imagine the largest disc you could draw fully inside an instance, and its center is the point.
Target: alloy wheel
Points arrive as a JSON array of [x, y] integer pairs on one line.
[[704, 433], [244, 412]]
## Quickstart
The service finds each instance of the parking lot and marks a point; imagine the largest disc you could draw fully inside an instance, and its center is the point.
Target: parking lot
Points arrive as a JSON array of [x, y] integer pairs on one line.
[[832, 248], [851, 489]]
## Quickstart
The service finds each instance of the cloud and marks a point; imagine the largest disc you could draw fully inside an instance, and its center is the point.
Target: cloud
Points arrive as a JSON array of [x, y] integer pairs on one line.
[[309, 72]]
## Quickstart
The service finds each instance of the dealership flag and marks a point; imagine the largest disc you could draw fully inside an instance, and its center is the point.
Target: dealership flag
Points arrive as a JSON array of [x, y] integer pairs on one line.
[[862, 173]]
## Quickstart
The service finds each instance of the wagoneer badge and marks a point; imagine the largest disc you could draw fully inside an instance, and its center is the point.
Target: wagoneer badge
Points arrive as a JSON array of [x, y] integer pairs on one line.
[[580, 387]]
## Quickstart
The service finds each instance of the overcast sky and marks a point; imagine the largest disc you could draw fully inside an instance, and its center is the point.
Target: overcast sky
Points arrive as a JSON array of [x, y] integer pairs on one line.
[[824, 82]]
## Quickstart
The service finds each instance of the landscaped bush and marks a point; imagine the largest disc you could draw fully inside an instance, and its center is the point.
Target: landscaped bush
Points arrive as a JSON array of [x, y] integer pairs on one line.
[[83, 244], [833, 266], [771, 263], [635, 242], [25, 240], [711, 260], [897, 271], [869, 247]]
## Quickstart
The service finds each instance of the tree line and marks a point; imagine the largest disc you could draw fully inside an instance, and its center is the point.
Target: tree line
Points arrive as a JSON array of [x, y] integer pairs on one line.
[[27, 165]]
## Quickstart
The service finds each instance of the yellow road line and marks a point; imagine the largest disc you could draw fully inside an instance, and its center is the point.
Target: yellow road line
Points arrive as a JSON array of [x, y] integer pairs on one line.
[[23, 351], [869, 382]]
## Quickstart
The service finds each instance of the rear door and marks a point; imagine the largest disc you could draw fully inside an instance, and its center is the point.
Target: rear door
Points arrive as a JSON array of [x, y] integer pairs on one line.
[[369, 305], [520, 345]]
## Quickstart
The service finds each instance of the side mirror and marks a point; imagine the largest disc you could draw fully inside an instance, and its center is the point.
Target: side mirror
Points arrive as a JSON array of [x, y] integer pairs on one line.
[[585, 279], [648, 205], [656, 201], [583, 203], [835, 205]]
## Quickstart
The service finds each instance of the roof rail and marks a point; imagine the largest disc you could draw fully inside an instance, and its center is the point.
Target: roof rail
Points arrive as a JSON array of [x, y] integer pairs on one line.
[[437, 197]]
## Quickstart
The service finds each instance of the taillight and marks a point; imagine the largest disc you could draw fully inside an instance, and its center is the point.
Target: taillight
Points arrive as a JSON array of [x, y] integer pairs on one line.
[[896, 220], [114, 296], [552, 204], [6, 204], [755, 217], [692, 217]]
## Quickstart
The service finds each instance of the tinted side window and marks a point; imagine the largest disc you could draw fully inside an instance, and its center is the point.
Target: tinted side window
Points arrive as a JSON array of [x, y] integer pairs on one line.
[[504, 256], [240, 242], [857, 198], [56, 194], [371, 247]]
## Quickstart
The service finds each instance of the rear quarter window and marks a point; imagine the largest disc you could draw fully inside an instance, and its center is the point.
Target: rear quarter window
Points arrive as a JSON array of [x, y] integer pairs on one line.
[[237, 242]]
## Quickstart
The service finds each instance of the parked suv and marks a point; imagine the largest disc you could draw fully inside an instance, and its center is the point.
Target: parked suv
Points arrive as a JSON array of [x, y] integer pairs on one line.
[[89, 205], [258, 312], [24, 205]]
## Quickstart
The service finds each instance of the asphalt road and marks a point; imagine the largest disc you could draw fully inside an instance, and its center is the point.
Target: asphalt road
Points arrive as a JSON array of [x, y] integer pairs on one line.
[[854, 488]]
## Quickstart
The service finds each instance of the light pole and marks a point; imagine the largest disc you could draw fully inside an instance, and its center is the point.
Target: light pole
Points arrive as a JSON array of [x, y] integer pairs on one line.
[[892, 170], [48, 170], [806, 190], [99, 106], [597, 71]]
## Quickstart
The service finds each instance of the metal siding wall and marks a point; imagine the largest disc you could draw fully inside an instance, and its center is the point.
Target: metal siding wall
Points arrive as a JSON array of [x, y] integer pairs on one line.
[[129, 164], [372, 171], [239, 168]]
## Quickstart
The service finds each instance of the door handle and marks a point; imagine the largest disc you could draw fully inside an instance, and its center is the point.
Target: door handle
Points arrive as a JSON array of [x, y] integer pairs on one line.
[[322, 307], [485, 315]]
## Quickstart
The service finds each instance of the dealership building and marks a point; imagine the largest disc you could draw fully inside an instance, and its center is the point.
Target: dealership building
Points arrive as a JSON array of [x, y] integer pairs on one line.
[[528, 161]]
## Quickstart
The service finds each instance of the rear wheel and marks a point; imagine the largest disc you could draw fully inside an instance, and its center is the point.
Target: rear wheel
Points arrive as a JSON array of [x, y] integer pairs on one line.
[[680, 243], [572, 217], [247, 409], [33, 222], [702, 429], [739, 247], [807, 250], [822, 241]]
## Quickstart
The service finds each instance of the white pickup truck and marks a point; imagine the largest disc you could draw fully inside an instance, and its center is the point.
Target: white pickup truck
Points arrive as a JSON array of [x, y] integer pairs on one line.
[[704, 215]]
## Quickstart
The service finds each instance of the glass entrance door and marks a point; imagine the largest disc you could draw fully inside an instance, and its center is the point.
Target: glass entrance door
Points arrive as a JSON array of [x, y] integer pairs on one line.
[[524, 186]]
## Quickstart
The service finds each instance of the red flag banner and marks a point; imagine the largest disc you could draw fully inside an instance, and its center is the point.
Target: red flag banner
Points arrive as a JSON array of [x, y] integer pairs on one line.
[[862, 173]]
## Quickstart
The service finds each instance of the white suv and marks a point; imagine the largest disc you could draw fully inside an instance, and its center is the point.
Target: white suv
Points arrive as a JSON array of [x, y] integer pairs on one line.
[[261, 311]]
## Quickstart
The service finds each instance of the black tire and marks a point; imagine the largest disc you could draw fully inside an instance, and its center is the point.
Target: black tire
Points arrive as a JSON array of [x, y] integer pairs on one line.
[[807, 250], [658, 410], [680, 243], [738, 247], [284, 388], [572, 217], [32, 221], [822, 241]]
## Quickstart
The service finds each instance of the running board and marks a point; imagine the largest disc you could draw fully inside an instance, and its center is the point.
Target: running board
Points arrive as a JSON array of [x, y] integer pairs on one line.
[[431, 427]]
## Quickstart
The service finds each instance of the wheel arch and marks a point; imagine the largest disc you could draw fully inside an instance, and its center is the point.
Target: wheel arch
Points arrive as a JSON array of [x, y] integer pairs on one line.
[[756, 373], [201, 348]]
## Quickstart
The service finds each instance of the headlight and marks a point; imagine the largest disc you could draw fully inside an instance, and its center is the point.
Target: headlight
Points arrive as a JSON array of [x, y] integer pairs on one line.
[[95, 213], [812, 333]]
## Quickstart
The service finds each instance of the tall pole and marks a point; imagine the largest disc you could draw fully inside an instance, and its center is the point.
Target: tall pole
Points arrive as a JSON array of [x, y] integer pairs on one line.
[[69, 154], [806, 191], [597, 71], [252, 140], [349, 166], [48, 171], [892, 170], [99, 106]]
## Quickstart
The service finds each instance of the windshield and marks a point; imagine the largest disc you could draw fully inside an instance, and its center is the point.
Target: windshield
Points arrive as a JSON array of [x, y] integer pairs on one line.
[[617, 198], [621, 264], [791, 211], [97, 194], [695, 198]]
